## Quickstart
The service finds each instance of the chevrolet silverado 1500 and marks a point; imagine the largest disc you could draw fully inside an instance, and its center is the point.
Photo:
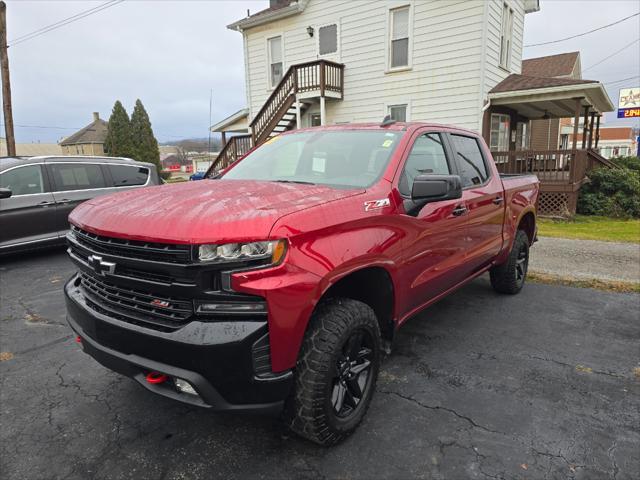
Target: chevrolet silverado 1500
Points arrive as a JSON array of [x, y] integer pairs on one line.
[[277, 287]]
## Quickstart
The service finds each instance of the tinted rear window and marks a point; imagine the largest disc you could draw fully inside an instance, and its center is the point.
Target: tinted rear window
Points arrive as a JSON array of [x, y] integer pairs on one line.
[[78, 176], [473, 170], [125, 176]]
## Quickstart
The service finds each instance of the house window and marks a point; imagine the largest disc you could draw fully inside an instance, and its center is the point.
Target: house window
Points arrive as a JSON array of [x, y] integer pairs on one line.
[[499, 136], [315, 120], [505, 36], [328, 39], [275, 60], [522, 136], [399, 51], [398, 112]]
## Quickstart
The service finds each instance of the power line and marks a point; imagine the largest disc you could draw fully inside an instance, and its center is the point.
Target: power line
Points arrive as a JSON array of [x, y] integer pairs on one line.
[[621, 80], [612, 55], [63, 22], [584, 33], [46, 127]]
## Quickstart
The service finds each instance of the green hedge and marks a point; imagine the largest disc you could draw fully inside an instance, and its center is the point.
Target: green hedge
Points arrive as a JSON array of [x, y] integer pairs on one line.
[[613, 192]]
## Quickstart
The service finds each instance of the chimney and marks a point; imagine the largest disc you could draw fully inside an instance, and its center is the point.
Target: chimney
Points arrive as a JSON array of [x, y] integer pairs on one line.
[[96, 116], [275, 4]]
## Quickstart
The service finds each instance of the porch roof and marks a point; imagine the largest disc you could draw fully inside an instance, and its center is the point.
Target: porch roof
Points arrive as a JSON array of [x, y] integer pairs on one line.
[[235, 123], [544, 97]]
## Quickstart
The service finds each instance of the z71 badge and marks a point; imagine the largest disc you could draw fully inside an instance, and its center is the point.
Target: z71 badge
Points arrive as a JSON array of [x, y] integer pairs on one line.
[[376, 204]]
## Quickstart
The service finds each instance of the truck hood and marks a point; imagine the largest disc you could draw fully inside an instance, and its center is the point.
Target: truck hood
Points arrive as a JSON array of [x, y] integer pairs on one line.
[[205, 211]]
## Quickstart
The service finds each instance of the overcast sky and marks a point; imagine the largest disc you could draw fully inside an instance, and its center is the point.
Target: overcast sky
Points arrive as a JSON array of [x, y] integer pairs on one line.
[[170, 54]]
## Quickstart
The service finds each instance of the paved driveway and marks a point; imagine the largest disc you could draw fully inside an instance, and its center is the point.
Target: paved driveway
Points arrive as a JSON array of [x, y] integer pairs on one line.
[[540, 385]]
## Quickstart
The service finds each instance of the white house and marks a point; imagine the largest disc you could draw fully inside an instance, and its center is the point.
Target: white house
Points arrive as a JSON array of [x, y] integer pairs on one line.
[[319, 62], [416, 60]]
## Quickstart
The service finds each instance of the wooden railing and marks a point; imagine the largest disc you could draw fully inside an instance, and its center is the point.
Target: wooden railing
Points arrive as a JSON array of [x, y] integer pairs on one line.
[[319, 75], [551, 166], [235, 148]]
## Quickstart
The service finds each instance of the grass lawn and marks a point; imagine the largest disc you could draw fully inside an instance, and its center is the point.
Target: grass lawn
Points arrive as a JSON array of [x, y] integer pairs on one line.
[[591, 228]]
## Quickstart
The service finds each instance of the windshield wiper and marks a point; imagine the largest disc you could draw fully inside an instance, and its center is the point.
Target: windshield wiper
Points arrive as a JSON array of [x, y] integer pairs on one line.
[[294, 181]]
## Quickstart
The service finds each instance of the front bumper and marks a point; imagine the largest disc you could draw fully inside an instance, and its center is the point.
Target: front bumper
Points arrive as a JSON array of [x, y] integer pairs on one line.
[[214, 357]]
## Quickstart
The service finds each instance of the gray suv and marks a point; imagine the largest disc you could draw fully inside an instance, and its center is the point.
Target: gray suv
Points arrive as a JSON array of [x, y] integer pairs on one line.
[[38, 193]]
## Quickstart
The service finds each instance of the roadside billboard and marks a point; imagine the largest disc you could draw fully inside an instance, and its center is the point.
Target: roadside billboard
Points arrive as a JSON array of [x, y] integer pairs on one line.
[[629, 103]]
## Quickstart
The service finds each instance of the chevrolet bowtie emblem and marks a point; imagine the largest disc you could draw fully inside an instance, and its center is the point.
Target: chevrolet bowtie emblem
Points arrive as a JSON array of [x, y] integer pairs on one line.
[[100, 266]]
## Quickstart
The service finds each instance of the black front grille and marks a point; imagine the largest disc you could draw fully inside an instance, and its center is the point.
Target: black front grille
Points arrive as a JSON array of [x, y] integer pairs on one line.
[[135, 306], [161, 252]]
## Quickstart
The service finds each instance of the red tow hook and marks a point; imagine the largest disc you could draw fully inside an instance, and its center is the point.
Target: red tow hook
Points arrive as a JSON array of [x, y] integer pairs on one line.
[[78, 339], [156, 377]]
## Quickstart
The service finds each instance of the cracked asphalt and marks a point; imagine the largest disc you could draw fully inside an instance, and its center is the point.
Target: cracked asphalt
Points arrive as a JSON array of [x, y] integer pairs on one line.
[[545, 384]]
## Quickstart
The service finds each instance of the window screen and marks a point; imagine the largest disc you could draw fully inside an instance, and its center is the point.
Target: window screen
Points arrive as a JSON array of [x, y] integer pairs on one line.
[[125, 176], [67, 176], [399, 37], [328, 39], [398, 112], [427, 157], [499, 136], [473, 170], [23, 180], [275, 60], [505, 36]]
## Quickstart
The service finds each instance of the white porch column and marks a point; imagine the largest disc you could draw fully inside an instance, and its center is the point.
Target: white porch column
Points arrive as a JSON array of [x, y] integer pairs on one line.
[[323, 113], [298, 117]]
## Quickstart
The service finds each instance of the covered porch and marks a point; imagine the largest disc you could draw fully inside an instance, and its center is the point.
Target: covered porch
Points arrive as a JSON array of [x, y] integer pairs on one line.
[[562, 167]]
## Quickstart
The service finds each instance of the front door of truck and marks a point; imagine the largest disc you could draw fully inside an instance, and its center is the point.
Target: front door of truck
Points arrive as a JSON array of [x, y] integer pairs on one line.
[[435, 234], [483, 196]]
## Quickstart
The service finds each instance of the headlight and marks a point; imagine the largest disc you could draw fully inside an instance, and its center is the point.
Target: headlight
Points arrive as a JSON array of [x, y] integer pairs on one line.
[[272, 250]]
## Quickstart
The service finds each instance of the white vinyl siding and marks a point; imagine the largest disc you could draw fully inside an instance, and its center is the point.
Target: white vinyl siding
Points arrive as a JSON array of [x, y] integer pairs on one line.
[[506, 35], [493, 72], [276, 60], [399, 41], [446, 57]]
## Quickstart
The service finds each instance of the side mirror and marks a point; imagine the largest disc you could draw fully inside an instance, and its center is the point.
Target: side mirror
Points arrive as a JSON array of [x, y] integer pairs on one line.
[[5, 193], [434, 188]]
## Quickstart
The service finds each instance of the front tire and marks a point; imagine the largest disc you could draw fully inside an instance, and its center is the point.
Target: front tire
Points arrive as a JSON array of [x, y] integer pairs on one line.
[[511, 275], [336, 372]]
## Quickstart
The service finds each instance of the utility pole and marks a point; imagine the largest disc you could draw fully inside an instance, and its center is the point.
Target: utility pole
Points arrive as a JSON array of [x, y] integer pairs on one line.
[[6, 84]]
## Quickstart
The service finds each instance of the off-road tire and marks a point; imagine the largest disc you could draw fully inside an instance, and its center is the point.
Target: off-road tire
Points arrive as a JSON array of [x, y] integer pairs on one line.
[[510, 276], [310, 411]]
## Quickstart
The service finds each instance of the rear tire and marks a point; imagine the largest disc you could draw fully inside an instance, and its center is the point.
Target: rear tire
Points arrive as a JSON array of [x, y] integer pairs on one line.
[[511, 275], [336, 371]]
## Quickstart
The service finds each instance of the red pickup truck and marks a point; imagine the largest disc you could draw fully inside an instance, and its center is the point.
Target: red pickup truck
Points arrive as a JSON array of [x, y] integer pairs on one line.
[[278, 286]]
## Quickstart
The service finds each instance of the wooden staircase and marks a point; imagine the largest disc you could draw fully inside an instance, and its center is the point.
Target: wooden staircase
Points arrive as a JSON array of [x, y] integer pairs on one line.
[[304, 82]]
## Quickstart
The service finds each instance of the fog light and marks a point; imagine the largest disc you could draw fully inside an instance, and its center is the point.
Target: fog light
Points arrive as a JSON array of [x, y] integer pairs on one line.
[[185, 387]]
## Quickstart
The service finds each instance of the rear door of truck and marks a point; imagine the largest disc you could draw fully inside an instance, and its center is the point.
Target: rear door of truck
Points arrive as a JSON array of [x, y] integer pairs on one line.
[[483, 197]]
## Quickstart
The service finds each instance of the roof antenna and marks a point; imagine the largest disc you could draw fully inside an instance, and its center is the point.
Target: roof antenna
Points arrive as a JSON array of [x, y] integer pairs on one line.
[[387, 121]]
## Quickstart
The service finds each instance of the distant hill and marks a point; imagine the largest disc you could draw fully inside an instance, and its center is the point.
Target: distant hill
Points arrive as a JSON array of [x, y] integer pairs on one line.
[[195, 144]]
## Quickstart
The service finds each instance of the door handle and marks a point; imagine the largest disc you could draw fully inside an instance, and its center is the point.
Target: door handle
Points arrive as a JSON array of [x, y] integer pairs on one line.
[[498, 200], [64, 200], [459, 210], [46, 204]]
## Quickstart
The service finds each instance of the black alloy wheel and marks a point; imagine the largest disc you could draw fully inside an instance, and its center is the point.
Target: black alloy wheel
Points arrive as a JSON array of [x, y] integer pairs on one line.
[[522, 263], [352, 377]]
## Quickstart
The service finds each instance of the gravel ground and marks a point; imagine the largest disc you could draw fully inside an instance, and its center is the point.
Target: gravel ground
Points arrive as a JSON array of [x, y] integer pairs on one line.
[[544, 384], [586, 259]]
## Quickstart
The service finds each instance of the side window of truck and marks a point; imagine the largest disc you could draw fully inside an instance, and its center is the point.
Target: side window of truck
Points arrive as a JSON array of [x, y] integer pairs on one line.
[[427, 157], [471, 164]]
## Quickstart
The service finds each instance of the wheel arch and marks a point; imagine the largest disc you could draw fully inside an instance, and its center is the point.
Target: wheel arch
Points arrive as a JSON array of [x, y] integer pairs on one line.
[[372, 285], [527, 223]]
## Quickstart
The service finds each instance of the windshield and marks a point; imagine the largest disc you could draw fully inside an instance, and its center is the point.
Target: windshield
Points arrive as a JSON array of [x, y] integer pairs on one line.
[[344, 158]]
